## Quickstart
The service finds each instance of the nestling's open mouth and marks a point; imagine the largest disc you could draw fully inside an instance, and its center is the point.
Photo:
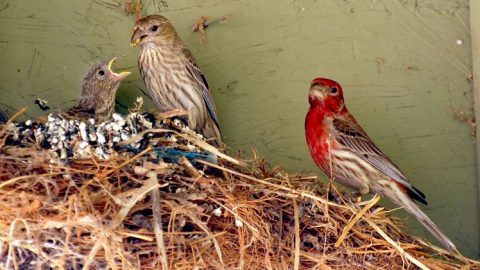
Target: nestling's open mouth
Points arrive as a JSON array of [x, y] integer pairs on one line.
[[122, 75]]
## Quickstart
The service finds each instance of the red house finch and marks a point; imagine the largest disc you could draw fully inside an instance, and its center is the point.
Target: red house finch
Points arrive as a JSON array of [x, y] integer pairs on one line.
[[172, 76], [344, 152], [97, 100]]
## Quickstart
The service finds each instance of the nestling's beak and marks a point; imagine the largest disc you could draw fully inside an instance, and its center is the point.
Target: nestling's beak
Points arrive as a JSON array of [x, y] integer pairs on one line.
[[137, 36], [119, 76]]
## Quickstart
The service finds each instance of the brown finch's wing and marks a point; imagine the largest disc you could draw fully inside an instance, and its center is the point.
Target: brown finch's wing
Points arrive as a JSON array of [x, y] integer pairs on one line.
[[349, 134], [202, 83]]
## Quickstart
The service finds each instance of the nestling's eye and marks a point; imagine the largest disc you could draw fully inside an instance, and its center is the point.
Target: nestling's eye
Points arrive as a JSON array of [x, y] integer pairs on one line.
[[101, 73], [333, 90], [154, 28]]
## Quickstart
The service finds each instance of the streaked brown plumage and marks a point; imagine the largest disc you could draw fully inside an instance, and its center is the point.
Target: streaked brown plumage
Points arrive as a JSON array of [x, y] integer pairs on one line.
[[97, 100], [172, 77]]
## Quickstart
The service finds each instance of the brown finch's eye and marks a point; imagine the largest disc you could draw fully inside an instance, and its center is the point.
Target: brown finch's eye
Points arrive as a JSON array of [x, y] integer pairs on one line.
[[333, 90], [101, 73], [154, 28]]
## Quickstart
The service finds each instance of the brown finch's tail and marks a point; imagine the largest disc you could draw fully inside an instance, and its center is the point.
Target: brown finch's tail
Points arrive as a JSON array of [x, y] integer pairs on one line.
[[3, 118], [402, 199], [212, 133]]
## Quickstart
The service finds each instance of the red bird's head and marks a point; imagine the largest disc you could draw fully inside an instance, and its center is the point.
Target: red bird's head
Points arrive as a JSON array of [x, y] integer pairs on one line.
[[326, 93]]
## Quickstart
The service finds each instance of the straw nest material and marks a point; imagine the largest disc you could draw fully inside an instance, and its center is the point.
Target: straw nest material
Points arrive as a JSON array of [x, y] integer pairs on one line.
[[135, 212]]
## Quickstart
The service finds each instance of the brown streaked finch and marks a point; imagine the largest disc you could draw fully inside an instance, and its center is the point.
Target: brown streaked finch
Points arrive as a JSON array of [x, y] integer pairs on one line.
[[97, 100], [345, 153], [172, 76]]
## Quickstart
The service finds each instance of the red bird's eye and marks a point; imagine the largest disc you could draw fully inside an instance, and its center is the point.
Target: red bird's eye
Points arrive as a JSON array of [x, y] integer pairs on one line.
[[333, 90]]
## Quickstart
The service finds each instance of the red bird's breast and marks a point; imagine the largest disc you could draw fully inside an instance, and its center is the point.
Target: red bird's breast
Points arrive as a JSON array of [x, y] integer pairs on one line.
[[317, 138]]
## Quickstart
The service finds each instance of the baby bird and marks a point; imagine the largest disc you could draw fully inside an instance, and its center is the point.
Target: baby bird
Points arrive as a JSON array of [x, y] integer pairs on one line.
[[97, 100]]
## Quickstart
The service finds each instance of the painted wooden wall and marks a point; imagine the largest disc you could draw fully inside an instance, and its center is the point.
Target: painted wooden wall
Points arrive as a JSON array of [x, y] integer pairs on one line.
[[404, 65]]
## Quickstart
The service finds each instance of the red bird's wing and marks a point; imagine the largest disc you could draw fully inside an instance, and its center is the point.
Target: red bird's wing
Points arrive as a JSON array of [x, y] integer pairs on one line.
[[202, 83], [351, 135]]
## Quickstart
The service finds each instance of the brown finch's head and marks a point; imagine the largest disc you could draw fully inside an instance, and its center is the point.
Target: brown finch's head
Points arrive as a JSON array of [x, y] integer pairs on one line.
[[101, 82], [153, 28], [326, 93]]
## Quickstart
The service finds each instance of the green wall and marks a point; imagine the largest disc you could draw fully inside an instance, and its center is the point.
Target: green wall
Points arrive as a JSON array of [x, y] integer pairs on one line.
[[400, 62]]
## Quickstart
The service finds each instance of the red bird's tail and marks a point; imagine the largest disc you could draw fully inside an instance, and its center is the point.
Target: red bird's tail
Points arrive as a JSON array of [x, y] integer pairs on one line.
[[402, 199]]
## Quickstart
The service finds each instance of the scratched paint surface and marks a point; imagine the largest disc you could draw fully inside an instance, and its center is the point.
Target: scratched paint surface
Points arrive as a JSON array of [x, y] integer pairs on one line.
[[402, 63]]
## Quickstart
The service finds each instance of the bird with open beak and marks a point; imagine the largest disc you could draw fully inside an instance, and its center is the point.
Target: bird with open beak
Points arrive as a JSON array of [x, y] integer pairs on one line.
[[172, 76], [97, 99]]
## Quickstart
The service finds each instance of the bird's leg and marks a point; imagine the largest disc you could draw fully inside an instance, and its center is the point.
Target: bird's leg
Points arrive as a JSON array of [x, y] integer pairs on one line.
[[364, 189], [359, 196]]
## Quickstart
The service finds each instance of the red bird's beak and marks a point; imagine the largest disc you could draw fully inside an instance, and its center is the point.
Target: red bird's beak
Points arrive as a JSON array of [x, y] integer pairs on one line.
[[137, 37], [317, 93]]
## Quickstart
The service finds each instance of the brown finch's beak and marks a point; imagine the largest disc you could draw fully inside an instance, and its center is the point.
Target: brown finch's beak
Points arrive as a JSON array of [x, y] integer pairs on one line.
[[137, 36], [119, 76]]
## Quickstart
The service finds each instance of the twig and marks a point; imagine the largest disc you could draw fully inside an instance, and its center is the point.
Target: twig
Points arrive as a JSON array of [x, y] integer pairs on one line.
[[11, 251], [138, 195], [396, 246], [131, 8], [138, 236], [202, 144], [105, 174], [204, 228], [17, 114], [4, 129], [296, 262], [293, 191], [200, 27], [205, 146], [203, 23], [91, 255], [157, 220], [13, 180], [349, 226], [296, 259], [256, 232]]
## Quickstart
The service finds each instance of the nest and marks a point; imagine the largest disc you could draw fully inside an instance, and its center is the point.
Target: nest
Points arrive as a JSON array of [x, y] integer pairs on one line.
[[134, 211]]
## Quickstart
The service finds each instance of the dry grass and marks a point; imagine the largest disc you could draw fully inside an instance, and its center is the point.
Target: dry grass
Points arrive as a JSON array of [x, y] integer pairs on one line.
[[131, 213]]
